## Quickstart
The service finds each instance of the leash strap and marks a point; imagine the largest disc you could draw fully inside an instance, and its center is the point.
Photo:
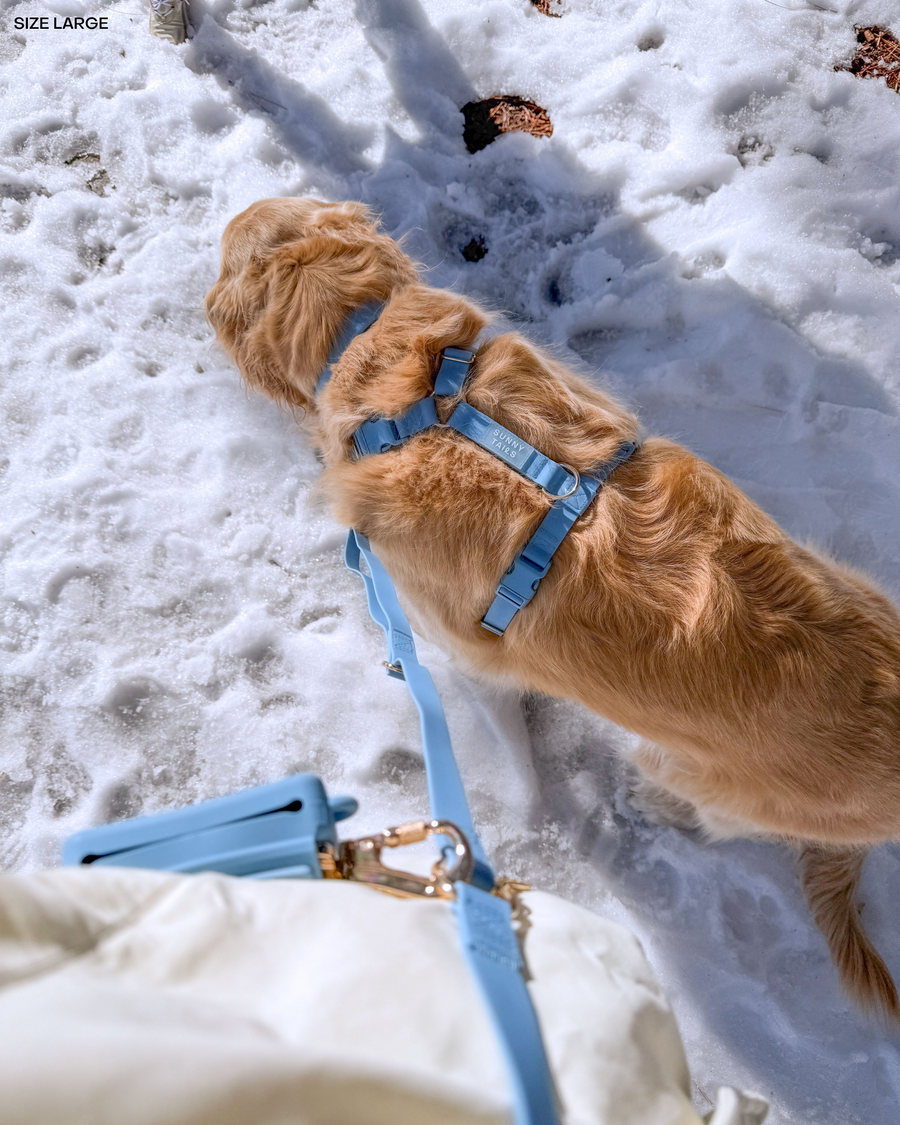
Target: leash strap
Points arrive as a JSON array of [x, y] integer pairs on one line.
[[357, 322], [492, 953], [488, 940], [445, 787]]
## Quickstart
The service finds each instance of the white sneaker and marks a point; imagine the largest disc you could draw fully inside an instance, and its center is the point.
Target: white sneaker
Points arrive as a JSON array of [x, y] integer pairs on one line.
[[168, 20]]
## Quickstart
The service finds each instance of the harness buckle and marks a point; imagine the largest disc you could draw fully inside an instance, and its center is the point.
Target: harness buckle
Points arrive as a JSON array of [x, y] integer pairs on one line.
[[359, 861], [516, 589]]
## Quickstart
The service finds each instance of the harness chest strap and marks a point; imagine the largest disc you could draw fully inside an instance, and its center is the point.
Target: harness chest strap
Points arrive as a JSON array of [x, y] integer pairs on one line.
[[378, 435], [520, 583], [359, 321]]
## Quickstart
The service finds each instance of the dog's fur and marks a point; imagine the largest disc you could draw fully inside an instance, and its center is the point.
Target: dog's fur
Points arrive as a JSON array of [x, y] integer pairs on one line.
[[765, 678]]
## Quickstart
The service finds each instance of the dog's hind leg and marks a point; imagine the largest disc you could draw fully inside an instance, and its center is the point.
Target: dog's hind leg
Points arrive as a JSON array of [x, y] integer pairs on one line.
[[669, 795], [829, 877], [660, 806]]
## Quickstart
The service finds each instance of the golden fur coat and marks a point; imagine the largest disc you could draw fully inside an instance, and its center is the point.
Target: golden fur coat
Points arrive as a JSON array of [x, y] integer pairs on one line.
[[764, 678]]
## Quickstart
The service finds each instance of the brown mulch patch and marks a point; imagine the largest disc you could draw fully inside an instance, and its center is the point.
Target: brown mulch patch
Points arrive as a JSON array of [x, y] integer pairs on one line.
[[878, 56], [545, 6], [486, 120]]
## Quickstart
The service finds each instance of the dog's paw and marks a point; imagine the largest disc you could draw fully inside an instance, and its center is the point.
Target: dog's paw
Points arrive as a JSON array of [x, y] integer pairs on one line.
[[661, 807]]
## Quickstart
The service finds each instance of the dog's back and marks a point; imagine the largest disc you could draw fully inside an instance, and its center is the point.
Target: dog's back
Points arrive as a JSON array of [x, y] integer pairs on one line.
[[767, 677]]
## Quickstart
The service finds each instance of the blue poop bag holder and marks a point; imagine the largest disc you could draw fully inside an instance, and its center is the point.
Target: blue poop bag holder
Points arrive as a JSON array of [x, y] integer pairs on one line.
[[273, 832], [287, 830]]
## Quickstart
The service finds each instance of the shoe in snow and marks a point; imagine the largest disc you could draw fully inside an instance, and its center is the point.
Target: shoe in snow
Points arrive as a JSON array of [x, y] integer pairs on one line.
[[168, 20]]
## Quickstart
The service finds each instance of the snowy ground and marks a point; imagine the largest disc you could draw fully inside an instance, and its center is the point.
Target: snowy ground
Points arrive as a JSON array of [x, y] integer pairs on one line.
[[714, 230]]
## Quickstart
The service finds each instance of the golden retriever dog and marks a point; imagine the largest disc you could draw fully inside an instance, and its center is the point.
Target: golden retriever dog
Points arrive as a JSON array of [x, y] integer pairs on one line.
[[764, 678]]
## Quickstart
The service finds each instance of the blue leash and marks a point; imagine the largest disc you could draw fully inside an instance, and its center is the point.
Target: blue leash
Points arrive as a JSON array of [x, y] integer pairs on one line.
[[279, 830], [488, 940], [445, 787]]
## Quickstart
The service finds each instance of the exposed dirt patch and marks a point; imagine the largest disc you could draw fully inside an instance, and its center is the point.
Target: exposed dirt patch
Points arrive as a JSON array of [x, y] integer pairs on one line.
[[99, 183], [84, 157], [546, 6], [878, 56], [486, 120]]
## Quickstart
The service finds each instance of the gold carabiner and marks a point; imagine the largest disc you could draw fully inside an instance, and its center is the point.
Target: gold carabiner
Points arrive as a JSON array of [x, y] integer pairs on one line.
[[360, 861]]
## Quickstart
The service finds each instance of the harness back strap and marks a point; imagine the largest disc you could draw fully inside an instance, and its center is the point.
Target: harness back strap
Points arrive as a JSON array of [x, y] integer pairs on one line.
[[553, 478]]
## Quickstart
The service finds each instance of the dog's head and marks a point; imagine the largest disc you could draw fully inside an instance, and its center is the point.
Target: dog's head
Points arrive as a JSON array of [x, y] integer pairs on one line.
[[292, 271]]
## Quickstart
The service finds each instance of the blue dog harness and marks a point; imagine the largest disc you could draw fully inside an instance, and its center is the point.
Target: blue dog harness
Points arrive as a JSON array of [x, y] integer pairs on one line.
[[572, 492]]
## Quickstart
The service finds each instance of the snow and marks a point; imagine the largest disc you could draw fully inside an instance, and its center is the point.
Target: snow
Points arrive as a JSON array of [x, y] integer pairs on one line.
[[712, 231]]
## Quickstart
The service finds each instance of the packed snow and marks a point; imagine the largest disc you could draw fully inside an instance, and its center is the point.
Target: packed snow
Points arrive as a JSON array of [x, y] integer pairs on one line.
[[713, 232]]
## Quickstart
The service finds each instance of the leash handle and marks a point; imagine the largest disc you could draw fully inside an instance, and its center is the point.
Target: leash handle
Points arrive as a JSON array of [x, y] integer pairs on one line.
[[492, 953], [485, 921]]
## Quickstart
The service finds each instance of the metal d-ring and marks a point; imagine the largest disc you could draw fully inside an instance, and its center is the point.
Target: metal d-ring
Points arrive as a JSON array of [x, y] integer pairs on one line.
[[572, 490]]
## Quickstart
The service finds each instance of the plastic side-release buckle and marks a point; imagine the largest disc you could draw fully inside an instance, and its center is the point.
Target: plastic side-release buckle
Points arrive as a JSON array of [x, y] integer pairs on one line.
[[378, 435], [516, 590]]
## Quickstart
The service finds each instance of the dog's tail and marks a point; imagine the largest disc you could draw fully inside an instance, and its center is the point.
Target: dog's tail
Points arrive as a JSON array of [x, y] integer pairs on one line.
[[829, 879]]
